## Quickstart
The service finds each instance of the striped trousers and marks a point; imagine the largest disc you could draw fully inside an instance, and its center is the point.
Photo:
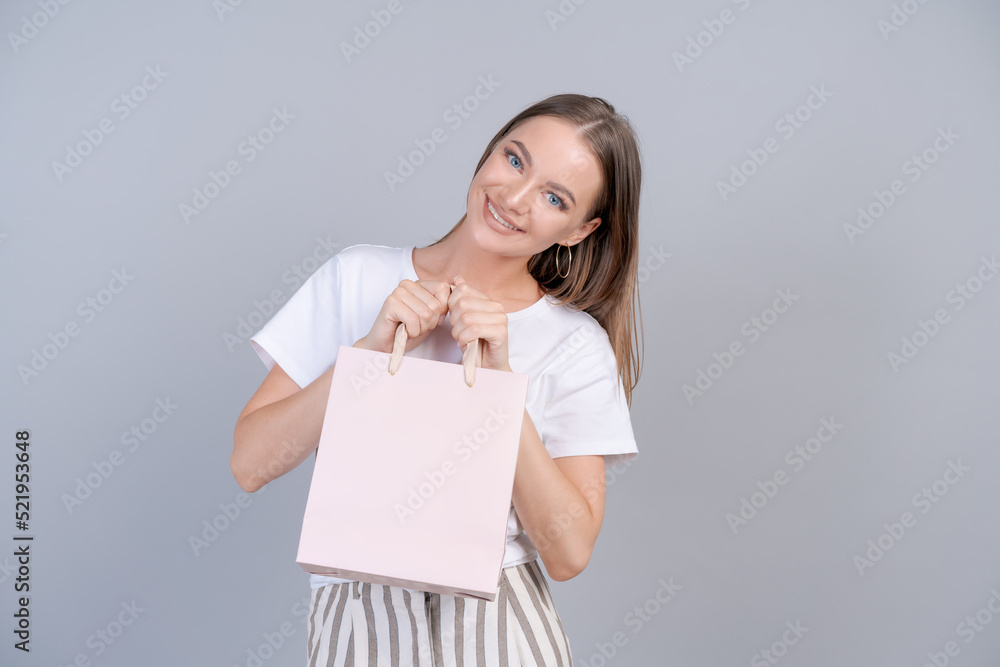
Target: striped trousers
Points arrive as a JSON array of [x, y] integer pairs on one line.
[[370, 625]]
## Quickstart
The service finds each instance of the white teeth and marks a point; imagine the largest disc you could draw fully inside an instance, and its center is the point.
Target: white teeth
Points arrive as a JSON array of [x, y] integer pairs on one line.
[[489, 205]]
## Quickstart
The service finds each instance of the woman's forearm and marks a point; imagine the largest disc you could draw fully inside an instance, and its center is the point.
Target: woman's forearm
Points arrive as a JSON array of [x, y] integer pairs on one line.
[[558, 517], [275, 438]]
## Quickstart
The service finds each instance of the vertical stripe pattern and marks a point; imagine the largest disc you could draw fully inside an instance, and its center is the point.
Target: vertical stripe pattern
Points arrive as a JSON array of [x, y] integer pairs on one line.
[[368, 625]]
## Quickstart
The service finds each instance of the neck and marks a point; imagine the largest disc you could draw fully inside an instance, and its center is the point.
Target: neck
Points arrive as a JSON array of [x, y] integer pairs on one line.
[[500, 277]]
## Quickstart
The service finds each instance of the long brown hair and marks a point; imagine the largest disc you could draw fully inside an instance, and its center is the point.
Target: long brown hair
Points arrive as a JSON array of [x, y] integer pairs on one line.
[[602, 278]]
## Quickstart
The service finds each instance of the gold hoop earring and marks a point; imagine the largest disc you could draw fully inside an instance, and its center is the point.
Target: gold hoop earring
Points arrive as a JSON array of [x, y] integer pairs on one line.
[[568, 265]]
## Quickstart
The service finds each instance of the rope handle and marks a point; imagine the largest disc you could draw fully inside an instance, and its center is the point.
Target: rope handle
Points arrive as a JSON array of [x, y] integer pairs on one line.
[[470, 358]]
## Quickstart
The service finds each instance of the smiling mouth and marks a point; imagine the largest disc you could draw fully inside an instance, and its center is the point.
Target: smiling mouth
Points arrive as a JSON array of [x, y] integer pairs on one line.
[[496, 216]]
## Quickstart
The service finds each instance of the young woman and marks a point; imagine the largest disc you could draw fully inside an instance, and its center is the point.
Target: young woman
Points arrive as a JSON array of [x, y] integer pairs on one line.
[[542, 268]]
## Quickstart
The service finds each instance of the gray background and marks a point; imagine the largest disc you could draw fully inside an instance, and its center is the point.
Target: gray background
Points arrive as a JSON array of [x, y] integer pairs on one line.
[[164, 335]]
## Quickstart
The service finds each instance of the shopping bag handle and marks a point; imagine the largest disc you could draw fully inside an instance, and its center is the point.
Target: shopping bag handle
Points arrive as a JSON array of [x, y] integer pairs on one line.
[[470, 359]]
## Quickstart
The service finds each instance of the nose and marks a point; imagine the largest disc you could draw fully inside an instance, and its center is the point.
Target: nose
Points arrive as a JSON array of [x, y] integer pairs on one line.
[[515, 197]]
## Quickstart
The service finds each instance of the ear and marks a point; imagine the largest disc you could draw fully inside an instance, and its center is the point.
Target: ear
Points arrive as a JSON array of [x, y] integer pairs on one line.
[[584, 231]]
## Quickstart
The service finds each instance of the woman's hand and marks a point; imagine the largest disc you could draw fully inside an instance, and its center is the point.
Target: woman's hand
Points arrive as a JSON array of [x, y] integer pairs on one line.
[[420, 306], [475, 315]]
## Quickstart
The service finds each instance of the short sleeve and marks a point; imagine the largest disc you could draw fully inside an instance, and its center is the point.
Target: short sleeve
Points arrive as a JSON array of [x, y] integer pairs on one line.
[[587, 411], [304, 336]]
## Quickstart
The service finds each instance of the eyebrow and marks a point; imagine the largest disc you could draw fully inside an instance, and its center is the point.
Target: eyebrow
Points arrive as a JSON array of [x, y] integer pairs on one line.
[[554, 186]]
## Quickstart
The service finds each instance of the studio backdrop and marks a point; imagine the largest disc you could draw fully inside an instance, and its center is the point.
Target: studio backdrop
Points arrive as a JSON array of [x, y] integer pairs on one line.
[[816, 416]]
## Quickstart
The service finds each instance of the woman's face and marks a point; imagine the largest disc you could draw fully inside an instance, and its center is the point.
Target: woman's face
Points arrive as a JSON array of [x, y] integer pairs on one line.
[[541, 179]]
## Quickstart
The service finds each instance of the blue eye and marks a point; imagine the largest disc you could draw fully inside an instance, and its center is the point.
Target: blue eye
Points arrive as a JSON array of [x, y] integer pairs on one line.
[[515, 162]]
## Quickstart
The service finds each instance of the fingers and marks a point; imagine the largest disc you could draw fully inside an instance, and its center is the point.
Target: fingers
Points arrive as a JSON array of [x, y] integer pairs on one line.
[[419, 309], [461, 290], [438, 288], [490, 326], [465, 299]]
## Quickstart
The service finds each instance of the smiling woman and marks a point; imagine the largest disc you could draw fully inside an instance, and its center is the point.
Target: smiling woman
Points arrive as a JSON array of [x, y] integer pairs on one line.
[[546, 253]]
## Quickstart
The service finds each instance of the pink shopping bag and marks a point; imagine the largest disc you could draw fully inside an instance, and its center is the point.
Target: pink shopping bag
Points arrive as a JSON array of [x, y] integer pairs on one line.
[[414, 472]]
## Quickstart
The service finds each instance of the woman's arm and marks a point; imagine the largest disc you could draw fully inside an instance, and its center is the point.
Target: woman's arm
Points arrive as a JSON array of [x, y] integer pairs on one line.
[[560, 503], [278, 428]]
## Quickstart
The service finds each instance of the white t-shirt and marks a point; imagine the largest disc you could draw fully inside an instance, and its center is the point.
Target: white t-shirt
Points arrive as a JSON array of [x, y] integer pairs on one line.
[[574, 398]]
